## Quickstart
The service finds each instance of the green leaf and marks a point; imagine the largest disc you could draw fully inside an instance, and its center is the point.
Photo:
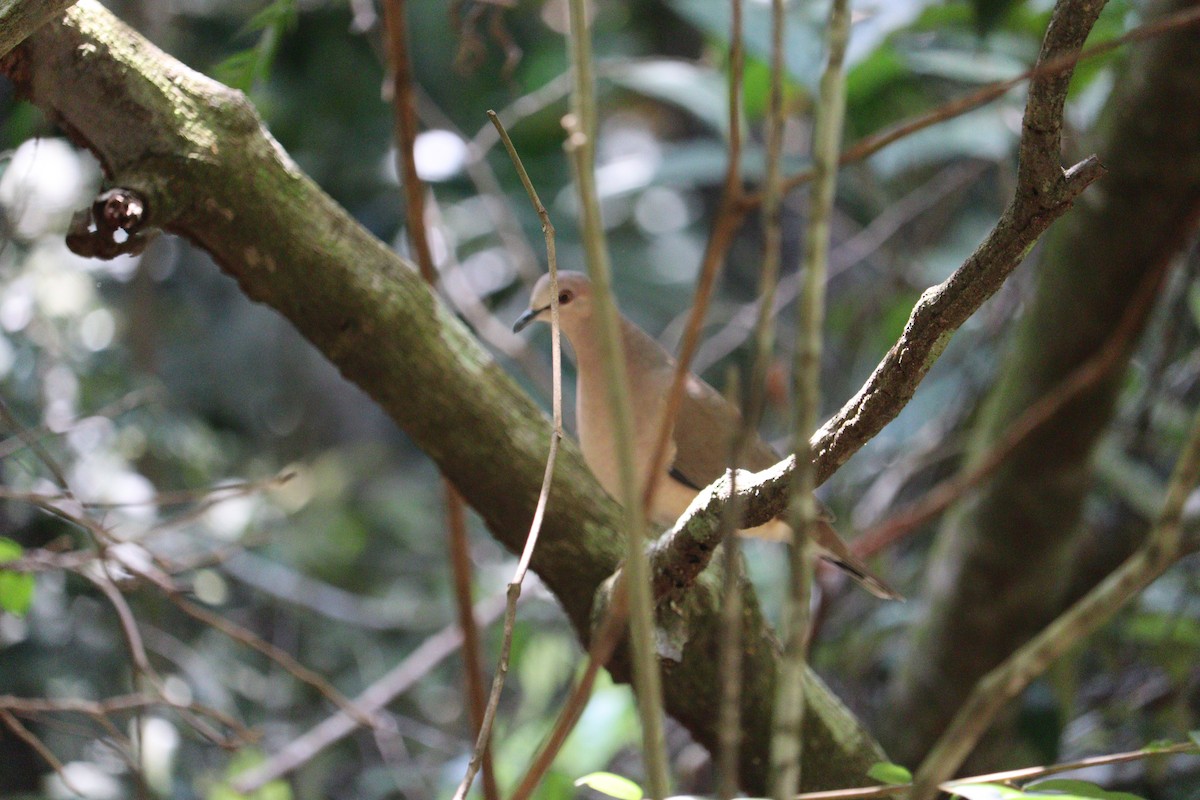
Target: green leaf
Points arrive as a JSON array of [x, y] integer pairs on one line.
[[9, 550], [612, 785], [245, 68], [1077, 788], [274, 790], [803, 26], [987, 791], [16, 592], [698, 90], [16, 588], [240, 69], [279, 14], [1058, 788], [887, 772], [242, 761]]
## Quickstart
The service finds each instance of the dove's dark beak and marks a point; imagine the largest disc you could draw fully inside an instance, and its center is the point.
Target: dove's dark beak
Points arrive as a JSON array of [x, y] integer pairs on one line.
[[529, 316]]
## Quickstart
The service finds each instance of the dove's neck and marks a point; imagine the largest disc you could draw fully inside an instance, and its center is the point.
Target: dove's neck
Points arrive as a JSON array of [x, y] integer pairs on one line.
[[644, 362]]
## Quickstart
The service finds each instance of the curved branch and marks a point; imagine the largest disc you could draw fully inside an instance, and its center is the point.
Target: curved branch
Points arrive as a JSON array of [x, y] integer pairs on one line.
[[1044, 193]]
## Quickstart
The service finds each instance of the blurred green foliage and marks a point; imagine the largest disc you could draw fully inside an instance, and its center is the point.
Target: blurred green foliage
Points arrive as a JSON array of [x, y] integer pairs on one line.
[[146, 378]]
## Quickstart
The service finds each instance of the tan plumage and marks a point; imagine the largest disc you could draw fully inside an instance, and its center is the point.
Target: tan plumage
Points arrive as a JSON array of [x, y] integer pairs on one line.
[[703, 431]]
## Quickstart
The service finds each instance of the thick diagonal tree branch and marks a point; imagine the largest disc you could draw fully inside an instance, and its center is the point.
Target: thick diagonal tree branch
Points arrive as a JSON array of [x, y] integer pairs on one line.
[[196, 153]]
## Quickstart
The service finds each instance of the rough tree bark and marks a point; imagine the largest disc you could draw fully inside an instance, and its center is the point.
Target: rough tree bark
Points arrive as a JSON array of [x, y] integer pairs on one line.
[[196, 153], [1003, 559]]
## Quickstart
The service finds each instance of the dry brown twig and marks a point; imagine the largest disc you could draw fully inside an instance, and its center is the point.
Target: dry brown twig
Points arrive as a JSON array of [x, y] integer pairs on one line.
[[96, 567], [123, 704], [404, 104], [38, 746], [556, 434]]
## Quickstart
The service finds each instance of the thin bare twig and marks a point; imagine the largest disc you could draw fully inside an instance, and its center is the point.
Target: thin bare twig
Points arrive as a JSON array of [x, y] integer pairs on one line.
[[404, 103], [460, 561], [455, 285], [211, 495], [127, 403], [213, 498], [845, 255], [99, 709], [30, 440], [396, 26], [133, 637], [275, 654], [729, 710], [535, 527], [39, 747], [1029, 773], [728, 220]]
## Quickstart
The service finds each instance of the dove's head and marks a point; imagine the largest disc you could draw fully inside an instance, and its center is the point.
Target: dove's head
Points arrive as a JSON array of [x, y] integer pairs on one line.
[[574, 301]]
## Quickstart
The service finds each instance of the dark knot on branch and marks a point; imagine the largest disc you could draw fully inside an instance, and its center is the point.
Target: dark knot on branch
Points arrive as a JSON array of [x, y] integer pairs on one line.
[[111, 227]]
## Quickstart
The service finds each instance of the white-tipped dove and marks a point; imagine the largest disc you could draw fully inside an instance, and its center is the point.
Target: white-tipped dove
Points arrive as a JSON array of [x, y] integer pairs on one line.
[[703, 432]]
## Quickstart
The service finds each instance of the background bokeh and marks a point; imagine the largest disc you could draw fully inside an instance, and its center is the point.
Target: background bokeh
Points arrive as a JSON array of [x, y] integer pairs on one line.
[[149, 377]]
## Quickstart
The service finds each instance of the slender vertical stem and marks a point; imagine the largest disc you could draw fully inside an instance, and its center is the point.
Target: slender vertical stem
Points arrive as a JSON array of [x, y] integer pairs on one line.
[[581, 143], [729, 712], [764, 328], [460, 562], [802, 511], [539, 514], [404, 106]]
